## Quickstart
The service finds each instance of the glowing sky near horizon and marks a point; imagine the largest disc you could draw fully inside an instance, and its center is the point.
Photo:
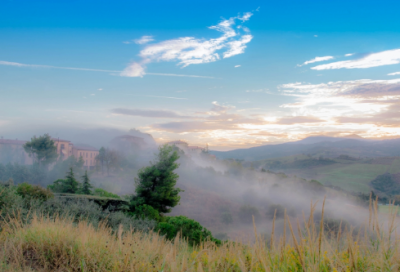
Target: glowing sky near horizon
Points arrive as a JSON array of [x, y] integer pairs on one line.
[[232, 75]]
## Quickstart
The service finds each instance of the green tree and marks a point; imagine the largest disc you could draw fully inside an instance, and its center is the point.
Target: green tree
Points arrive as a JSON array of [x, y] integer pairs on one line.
[[155, 184], [71, 185], [86, 186], [42, 149]]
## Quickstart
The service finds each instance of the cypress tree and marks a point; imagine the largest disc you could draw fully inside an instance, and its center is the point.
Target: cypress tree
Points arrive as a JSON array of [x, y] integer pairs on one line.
[[86, 186]]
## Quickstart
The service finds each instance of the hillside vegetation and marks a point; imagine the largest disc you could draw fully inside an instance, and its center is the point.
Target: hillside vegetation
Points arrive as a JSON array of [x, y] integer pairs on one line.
[[58, 244]]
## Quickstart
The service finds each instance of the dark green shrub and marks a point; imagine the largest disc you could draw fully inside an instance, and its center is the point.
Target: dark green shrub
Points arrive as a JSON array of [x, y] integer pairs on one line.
[[146, 211], [189, 229], [247, 212], [29, 192]]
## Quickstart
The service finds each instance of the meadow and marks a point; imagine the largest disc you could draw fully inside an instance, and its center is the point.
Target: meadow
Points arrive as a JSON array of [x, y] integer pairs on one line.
[[59, 244], [352, 176]]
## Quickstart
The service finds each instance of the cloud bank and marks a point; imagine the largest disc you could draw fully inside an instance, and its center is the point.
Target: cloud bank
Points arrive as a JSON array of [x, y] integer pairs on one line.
[[189, 50], [387, 57]]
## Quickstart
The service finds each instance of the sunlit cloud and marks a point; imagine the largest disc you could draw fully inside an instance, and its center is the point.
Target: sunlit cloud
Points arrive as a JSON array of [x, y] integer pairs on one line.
[[387, 57], [150, 113], [189, 50]]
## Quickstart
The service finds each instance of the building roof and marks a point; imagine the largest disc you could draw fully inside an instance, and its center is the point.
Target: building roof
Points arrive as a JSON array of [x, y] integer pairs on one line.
[[9, 141], [85, 148]]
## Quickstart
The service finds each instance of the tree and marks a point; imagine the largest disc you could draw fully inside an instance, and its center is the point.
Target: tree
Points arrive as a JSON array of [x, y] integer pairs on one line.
[[71, 185], [100, 158], [155, 184], [42, 149], [86, 184], [107, 158]]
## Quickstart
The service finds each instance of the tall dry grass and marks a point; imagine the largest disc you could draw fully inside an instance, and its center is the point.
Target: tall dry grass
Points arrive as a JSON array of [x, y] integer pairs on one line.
[[60, 245]]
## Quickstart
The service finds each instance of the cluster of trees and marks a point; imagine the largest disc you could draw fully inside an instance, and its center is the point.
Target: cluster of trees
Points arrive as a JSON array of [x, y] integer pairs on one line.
[[71, 185], [155, 194]]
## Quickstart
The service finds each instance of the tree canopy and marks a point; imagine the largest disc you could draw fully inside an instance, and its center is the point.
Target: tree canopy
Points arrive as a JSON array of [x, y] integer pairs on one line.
[[42, 149], [155, 184]]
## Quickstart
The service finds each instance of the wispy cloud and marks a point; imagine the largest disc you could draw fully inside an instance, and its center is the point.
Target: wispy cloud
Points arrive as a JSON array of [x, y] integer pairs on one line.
[[138, 71], [316, 59], [189, 50], [394, 74], [142, 40], [149, 113], [168, 97], [349, 55], [237, 66], [387, 57]]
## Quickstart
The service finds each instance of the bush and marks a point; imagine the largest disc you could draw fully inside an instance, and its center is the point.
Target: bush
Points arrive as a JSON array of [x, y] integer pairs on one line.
[[247, 212], [188, 228], [29, 192], [146, 211], [82, 209], [104, 193]]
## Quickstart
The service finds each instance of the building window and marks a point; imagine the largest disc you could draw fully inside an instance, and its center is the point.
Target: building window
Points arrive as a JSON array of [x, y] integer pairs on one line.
[[86, 154]]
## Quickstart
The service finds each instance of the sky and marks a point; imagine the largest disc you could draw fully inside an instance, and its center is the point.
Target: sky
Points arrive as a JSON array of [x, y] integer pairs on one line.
[[230, 74]]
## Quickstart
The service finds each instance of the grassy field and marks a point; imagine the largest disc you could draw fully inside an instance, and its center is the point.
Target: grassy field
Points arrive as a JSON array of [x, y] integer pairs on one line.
[[349, 175], [59, 245]]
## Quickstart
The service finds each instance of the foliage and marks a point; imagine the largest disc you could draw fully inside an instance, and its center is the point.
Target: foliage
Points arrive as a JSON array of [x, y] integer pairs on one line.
[[29, 191], [86, 186], [68, 185], [42, 149], [386, 183], [101, 157], [155, 184], [189, 229], [23, 173], [146, 211], [104, 193], [59, 169], [247, 212], [25, 201], [107, 158], [61, 244]]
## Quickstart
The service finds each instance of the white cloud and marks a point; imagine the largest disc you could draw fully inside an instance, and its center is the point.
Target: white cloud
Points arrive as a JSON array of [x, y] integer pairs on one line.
[[237, 66], [349, 55], [190, 50], [394, 74], [317, 59], [133, 70], [372, 60], [144, 40]]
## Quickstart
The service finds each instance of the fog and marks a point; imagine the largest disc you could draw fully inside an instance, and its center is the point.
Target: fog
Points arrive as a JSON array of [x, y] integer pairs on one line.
[[222, 195]]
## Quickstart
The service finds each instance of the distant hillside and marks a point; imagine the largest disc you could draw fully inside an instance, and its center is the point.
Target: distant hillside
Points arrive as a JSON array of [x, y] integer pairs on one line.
[[328, 147]]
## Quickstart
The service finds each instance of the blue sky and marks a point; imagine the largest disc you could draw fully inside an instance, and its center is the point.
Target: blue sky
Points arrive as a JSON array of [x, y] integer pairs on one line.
[[228, 73]]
